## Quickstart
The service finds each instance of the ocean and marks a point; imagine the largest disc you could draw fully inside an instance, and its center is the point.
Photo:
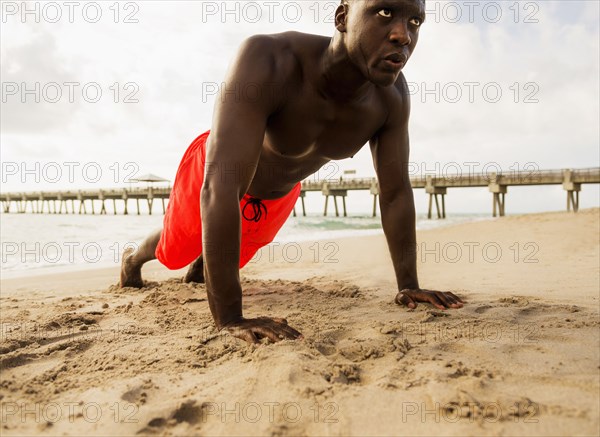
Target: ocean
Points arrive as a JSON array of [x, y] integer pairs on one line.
[[46, 243]]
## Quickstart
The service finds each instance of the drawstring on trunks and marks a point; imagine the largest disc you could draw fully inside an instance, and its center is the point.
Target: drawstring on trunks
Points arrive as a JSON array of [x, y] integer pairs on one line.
[[257, 207]]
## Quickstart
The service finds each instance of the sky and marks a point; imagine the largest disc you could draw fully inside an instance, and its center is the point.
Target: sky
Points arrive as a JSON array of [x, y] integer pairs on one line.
[[94, 93]]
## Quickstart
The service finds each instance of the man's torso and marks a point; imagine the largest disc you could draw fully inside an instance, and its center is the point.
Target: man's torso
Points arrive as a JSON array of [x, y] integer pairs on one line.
[[309, 129]]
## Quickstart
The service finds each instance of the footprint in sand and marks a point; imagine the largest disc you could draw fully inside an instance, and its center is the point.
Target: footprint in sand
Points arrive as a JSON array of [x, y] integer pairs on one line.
[[482, 309], [139, 394], [519, 301], [188, 412], [370, 348]]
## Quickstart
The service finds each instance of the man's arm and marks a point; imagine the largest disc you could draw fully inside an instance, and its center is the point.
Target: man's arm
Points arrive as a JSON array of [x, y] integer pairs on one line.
[[390, 150], [232, 155]]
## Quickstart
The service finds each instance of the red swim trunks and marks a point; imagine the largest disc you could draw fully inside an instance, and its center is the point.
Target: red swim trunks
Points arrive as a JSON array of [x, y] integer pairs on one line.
[[181, 239]]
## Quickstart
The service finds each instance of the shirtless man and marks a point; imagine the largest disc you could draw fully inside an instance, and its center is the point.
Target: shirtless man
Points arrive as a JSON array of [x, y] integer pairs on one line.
[[313, 99]]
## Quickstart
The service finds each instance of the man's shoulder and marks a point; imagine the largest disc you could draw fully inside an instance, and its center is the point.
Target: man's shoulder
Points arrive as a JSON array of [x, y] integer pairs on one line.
[[290, 41], [396, 98], [283, 53], [396, 94], [401, 85]]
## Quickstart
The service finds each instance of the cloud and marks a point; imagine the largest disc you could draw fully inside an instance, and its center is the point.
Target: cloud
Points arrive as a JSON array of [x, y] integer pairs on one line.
[[551, 64], [32, 70]]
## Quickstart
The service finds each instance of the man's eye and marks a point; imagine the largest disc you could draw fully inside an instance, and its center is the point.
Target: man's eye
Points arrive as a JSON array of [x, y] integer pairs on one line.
[[416, 21], [387, 13]]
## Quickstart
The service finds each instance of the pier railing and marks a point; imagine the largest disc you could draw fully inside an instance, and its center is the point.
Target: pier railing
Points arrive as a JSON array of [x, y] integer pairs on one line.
[[435, 185]]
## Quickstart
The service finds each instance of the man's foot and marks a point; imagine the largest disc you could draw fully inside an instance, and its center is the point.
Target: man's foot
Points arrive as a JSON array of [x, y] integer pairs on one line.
[[196, 272], [131, 274]]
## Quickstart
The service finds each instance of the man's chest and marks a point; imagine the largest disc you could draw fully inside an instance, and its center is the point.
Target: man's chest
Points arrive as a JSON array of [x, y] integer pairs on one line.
[[310, 126]]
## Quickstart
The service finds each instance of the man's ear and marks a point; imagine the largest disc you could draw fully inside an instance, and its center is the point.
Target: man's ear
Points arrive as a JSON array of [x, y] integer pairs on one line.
[[341, 16]]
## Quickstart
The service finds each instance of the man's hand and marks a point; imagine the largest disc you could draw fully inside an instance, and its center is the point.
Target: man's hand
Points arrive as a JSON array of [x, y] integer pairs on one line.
[[252, 330], [439, 299]]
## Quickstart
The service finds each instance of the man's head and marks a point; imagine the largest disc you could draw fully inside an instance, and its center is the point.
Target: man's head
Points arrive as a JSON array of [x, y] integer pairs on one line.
[[380, 35]]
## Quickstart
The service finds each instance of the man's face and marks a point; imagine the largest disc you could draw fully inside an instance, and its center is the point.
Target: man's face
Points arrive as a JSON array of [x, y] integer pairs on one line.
[[381, 35]]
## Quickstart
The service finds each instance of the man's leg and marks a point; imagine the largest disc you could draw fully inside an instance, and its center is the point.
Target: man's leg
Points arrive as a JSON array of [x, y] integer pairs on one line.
[[196, 272], [133, 260]]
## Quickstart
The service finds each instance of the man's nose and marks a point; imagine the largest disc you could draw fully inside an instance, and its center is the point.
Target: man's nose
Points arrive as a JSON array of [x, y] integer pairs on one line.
[[400, 35]]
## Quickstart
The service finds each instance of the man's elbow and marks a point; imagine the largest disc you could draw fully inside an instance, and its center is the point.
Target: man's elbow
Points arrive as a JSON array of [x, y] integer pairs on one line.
[[398, 196], [215, 193]]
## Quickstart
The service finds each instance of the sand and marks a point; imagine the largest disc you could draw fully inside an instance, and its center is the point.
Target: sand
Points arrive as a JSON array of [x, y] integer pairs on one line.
[[81, 357]]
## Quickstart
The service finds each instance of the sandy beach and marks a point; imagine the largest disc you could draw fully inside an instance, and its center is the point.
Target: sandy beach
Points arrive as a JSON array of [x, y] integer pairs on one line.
[[79, 356]]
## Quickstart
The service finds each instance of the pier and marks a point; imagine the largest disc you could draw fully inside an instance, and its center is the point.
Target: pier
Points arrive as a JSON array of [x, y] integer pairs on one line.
[[436, 186], [55, 202]]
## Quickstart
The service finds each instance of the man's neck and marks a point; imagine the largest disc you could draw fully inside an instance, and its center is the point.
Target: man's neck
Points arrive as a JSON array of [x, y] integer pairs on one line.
[[339, 78]]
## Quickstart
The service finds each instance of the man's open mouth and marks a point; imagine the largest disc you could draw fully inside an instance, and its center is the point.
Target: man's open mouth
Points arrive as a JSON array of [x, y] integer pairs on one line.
[[396, 58]]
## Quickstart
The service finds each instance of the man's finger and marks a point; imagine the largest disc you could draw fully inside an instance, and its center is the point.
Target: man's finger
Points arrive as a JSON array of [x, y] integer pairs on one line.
[[450, 299], [436, 301], [455, 303], [285, 331], [445, 299], [265, 331], [291, 332], [458, 299], [245, 334], [278, 324], [406, 300]]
